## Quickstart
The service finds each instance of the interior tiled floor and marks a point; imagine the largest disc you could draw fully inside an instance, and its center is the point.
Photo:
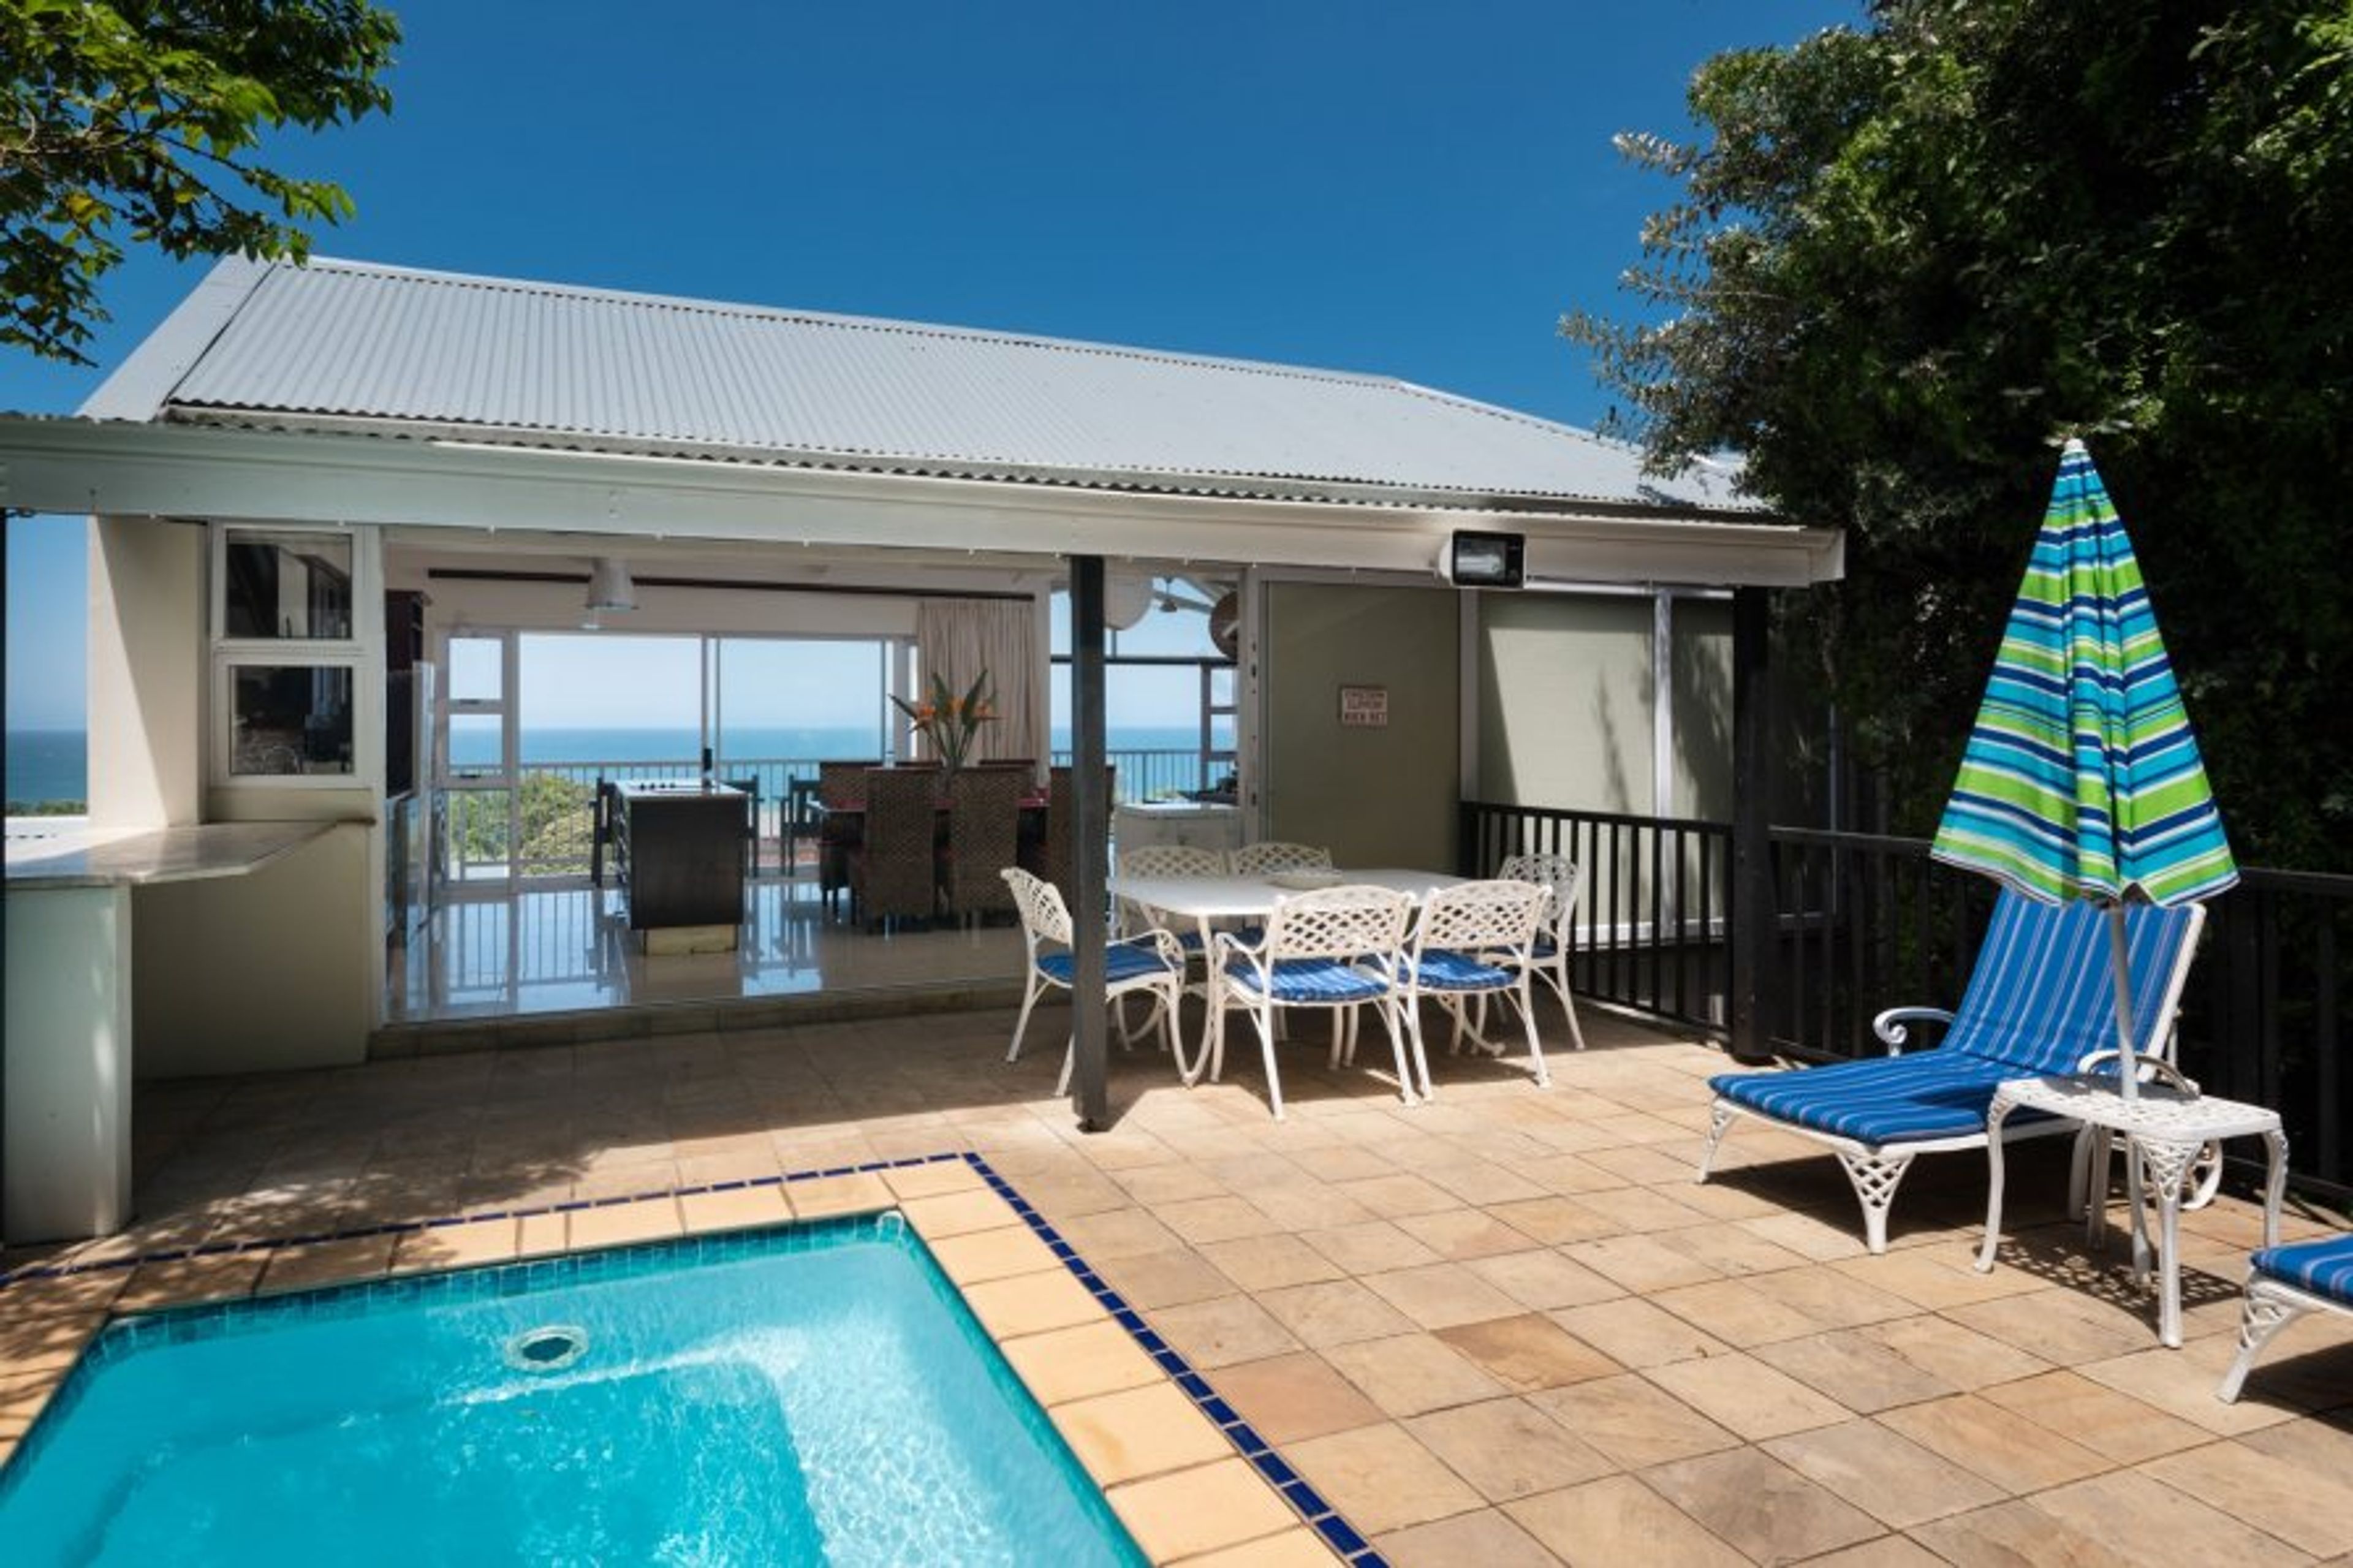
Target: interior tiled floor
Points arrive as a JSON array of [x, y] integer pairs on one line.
[[1503, 1327], [493, 952]]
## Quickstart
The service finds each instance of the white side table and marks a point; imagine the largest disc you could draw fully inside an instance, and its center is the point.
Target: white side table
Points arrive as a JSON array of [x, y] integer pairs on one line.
[[2163, 1129]]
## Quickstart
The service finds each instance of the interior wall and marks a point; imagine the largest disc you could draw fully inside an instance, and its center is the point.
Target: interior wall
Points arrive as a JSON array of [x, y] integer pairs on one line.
[[270, 970], [1567, 701], [1383, 797], [147, 672]]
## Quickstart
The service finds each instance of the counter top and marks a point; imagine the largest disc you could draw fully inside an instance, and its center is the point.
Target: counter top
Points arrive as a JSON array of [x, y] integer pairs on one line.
[[673, 789], [106, 857], [1178, 808]]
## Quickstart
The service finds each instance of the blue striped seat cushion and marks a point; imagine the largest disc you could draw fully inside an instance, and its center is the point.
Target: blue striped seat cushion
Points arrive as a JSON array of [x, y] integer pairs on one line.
[[1249, 936], [2325, 1266], [2042, 996], [1456, 972], [1327, 981], [1122, 961], [1879, 1099]]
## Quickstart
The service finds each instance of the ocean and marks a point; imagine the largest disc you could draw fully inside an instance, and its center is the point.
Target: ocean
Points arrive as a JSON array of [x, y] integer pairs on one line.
[[54, 765]]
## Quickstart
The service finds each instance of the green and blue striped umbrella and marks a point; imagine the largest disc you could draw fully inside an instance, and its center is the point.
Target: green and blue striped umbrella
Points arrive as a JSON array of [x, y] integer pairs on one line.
[[2082, 778]]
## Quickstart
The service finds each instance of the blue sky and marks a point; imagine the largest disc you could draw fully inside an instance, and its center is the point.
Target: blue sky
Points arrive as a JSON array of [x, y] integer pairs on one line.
[[1412, 189]]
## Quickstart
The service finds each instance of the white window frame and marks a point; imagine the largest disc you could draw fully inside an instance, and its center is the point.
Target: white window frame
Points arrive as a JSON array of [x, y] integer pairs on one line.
[[228, 655]]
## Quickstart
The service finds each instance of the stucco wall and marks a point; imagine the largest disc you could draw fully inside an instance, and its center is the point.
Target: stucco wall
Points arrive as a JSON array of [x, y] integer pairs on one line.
[[1375, 796], [147, 672]]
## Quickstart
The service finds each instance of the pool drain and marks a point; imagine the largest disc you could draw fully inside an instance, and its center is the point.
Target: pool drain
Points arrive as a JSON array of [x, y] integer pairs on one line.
[[550, 1349]]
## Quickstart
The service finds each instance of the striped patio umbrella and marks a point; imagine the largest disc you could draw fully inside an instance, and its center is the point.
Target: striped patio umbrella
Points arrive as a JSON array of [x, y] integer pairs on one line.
[[2082, 779]]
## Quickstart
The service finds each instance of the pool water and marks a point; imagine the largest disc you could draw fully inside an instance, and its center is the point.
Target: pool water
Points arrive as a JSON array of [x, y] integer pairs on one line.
[[816, 1394]]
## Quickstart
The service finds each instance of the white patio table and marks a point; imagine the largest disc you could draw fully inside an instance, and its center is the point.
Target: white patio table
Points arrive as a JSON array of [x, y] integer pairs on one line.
[[1205, 900]]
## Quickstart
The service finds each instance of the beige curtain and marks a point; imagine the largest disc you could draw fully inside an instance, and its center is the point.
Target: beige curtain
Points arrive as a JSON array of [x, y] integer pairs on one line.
[[958, 639]]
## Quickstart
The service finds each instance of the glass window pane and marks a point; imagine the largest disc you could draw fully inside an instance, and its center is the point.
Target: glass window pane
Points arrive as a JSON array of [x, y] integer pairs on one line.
[[477, 745], [287, 585], [477, 669], [291, 719]]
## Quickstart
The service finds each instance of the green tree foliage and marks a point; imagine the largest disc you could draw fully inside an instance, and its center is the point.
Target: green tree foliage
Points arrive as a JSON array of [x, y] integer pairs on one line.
[[142, 119], [1910, 258]]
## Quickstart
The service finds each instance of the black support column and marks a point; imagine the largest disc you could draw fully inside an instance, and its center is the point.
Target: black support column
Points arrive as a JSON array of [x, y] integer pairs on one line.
[[1752, 930], [1090, 831]]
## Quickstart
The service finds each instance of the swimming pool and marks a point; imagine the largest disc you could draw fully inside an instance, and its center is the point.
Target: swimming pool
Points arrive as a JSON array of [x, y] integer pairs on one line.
[[817, 1393]]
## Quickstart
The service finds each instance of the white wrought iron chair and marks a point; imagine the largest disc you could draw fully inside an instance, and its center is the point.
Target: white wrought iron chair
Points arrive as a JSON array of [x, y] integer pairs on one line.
[[1273, 856], [1150, 962], [1548, 956], [1333, 948], [1472, 941], [1163, 860]]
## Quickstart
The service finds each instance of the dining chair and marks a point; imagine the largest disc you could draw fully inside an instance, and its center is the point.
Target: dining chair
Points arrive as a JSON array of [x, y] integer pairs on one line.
[[1548, 956], [751, 788], [893, 873], [1264, 858], [1332, 948], [1472, 941], [1150, 962], [840, 784], [983, 836]]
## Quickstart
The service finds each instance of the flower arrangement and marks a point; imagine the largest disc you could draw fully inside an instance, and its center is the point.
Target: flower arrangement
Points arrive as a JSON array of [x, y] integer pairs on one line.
[[947, 722]]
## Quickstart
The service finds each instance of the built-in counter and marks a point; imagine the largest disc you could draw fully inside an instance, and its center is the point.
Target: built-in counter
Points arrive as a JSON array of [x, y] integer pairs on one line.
[[65, 1063]]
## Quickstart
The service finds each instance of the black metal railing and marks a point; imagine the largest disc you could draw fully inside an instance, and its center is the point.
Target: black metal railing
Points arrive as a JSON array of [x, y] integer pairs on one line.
[[1866, 923]]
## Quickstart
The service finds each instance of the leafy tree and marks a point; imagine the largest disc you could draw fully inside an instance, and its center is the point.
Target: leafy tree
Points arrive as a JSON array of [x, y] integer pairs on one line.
[[1910, 258], [142, 117]]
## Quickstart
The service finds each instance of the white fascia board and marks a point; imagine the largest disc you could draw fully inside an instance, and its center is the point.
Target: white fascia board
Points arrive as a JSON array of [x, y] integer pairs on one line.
[[135, 470]]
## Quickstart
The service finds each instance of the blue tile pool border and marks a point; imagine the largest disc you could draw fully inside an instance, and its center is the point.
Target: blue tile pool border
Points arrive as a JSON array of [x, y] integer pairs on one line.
[[474, 1280]]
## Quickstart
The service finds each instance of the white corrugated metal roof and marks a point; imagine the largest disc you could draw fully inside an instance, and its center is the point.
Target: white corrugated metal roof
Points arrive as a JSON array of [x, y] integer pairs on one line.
[[400, 350]]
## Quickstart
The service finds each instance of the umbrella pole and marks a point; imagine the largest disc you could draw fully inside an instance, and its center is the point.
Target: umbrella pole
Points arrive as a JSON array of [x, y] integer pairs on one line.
[[2120, 961]]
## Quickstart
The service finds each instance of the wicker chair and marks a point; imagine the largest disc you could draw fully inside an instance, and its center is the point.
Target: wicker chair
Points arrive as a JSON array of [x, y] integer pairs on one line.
[[893, 872], [983, 837], [1259, 859], [838, 784]]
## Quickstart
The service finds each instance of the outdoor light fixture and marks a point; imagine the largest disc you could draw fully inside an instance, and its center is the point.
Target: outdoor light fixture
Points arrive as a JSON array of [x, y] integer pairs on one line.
[[1473, 560], [609, 587]]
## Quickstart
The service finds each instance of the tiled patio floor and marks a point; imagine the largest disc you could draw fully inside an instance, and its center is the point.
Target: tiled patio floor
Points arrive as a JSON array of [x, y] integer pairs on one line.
[[1504, 1328]]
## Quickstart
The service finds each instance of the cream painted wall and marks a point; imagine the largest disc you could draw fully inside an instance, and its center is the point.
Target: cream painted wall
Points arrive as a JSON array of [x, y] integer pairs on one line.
[[147, 672], [1566, 702], [263, 972], [1375, 797]]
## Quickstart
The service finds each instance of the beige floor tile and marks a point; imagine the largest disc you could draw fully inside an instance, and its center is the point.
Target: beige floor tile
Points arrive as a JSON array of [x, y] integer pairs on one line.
[[950, 1214], [653, 1219], [862, 1192], [537, 1235], [2309, 1508], [1269, 1262], [1632, 1331], [1061, 1364], [22, 1398], [1640, 1263], [2182, 1383], [1150, 1281], [1398, 1194], [931, 1180], [1462, 1234], [1962, 1357], [1747, 1397], [45, 1341], [1632, 1421], [328, 1263], [1288, 1397], [1198, 1221], [1817, 1237], [1000, 1254], [1834, 1301], [2014, 1453], [1556, 1221], [1642, 1211], [1643, 1162], [1300, 1547], [1724, 1247], [2013, 1533], [1369, 1247], [92, 1291], [1862, 1374], [1886, 1552], [1508, 1449], [1380, 1479], [2112, 1424], [1888, 1475], [1529, 1352], [739, 1208], [1192, 1512], [2152, 1522], [190, 1279], [1937, 1277], [1736, 1312], [1138, 1432], [1031, 1303], [1618, 1520], [1761, 1506], [1487, 1537], [2065, 1325], [1336, 1313], [1441, 1295], [1223, 1331], [1543, 1278], [1412, 1374]]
